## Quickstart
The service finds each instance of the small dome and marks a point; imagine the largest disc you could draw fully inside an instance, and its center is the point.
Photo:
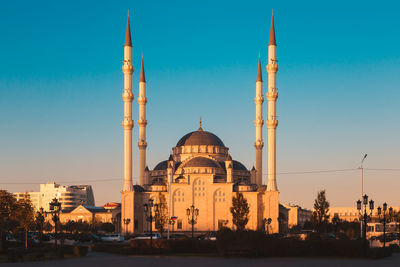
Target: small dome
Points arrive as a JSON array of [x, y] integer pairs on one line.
[[199, 138], [238, 166], [201, 162], [163, 165]]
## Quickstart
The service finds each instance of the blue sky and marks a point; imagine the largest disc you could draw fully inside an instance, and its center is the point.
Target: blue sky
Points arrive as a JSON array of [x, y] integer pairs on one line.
[[338, 83]]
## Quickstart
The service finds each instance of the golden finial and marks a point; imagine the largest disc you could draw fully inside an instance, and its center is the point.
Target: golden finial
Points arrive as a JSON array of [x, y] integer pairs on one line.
[[200, 129]]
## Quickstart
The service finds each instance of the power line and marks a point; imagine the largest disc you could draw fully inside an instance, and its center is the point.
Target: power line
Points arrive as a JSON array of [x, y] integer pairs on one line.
[[319, 171], [373, 169], [279, 173]]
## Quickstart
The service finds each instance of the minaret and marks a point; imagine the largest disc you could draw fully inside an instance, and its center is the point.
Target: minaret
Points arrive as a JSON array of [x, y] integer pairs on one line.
[[272, 122], [259, 122], [127, 96], [229, 167], [142, 122]]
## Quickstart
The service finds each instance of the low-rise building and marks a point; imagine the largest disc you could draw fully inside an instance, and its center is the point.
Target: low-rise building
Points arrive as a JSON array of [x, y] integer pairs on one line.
[[351, 214], [90, 214], [297, 215]]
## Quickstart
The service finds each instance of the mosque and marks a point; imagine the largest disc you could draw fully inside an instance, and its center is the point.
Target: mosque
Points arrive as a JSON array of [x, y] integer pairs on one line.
[[200, 171]]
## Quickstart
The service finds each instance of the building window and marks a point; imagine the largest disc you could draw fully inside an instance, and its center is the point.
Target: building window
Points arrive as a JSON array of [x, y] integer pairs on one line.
[[179, 224], [136, 224]]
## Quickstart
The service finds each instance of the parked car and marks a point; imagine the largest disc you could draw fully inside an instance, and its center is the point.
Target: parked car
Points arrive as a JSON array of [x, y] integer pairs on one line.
[[147, 236], [208, 236], [10, 238], [178, 236], [112, 238]]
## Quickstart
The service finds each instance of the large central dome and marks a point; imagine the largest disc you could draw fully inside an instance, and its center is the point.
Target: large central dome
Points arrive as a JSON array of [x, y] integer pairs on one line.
[[199, 138]]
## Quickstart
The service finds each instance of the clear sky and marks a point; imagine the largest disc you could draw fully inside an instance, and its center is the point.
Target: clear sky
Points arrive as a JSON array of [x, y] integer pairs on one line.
[[338, 81]]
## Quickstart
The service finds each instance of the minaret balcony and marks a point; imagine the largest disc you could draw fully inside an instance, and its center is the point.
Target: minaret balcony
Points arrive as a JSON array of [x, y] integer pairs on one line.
[[259, 144], [127, 69], [272, 123], [259, 99], [127, 124], [142, 122], [127, 95], [142, 144], [258, 123], [272, 95], [142, 100], [272, 68]]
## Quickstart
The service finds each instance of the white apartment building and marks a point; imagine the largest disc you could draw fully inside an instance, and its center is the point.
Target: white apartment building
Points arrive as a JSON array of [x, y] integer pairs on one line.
[[70, 196]]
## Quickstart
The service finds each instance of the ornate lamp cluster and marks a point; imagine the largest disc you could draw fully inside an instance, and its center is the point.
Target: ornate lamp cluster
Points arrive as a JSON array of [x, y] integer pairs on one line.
[[148, 211], [55, 209], [384, 218], [193, 214]]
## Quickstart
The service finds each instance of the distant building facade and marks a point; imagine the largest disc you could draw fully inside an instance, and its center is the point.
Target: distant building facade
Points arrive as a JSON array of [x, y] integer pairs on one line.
[[70, 196], [351, 214], [90, 214], [297, 215]]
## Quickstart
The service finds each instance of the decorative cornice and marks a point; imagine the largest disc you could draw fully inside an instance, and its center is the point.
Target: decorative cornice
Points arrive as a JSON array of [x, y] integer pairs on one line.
[[128, 69], [127, 124], [127, 95], [272, 124], [272, 95], [272, 68]]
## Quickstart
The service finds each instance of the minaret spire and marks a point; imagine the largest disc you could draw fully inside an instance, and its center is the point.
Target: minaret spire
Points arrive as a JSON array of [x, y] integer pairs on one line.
[[259, 75], [142, 76], [142, 122], [272, 40], [128, 41], [272, 122], [259, 122]]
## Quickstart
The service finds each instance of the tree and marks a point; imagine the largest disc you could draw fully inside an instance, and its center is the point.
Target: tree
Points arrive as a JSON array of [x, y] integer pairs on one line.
[[321, 208], [25, 215], [240, 211], [7, 215], [161, 217]]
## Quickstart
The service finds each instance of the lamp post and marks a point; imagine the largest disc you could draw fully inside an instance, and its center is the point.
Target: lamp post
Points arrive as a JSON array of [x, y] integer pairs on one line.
[[148, 211], [384, 219], [362, 184], [267, 223], [192, 214], [362, 210], [39, 223], [55, 208], [126, 222]]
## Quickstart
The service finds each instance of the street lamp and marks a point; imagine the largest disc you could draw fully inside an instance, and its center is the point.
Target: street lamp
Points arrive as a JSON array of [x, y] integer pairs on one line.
[[362, 183], [384, 219], [364, 217], [148, 211], [126, 222], [55, 209], [39, 223], [192, 214], [267, 223]]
